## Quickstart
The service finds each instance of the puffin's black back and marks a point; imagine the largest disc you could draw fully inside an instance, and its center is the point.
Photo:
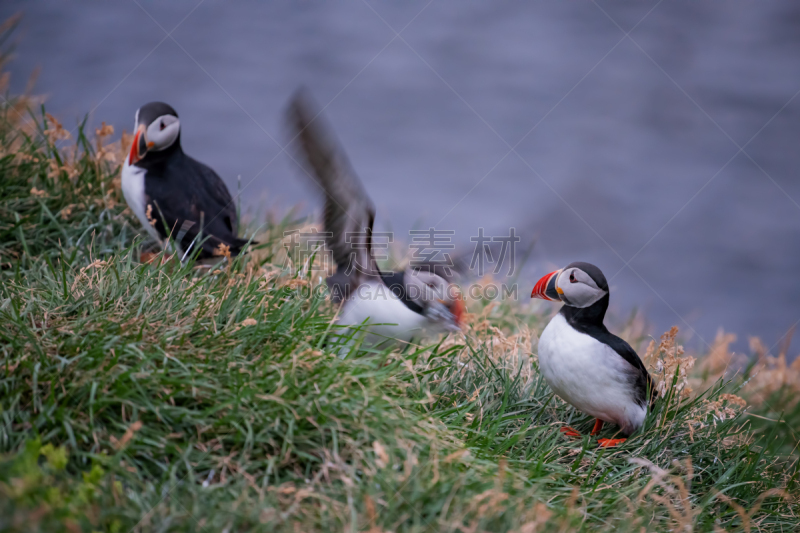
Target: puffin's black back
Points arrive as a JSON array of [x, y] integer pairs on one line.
[[188, 196]]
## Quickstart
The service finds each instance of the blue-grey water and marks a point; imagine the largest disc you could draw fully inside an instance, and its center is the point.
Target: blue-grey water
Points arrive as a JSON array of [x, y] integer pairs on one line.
[[669, 158]]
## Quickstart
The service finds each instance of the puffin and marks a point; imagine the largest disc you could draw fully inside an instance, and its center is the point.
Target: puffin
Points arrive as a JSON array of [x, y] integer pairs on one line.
[[386, 307], [585, 364], [174, 195]]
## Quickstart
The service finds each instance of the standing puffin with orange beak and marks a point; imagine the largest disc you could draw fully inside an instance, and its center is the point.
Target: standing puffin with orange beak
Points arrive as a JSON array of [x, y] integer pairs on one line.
[[173, 194], [586, 365]]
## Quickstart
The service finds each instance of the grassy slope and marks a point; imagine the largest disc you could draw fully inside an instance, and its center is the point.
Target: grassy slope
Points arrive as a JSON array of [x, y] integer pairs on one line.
[[140, 397]]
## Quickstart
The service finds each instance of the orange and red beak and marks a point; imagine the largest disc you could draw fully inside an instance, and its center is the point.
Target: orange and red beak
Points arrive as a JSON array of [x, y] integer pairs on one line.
[[453, 319], [139, 145], [546, 288], [458, 308]]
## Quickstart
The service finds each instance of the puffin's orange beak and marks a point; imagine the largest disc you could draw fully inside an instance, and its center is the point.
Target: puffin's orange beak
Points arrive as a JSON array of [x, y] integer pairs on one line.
[[458, 308], [139, 145], [546, 288]]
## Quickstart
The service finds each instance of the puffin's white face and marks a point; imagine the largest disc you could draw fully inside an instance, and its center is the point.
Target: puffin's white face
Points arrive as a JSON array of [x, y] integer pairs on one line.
[[156, 128], [577, 288], [162, 132], [425, 286], [440, 299], [571, 285]]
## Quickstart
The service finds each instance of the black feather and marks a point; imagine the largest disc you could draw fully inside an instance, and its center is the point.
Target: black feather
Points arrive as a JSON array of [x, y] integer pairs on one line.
[[349, 213]]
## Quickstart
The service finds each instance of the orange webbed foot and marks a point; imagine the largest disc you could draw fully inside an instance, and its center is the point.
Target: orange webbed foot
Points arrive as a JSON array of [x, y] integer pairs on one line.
[[598, 425], [570, 432], [610, 443]]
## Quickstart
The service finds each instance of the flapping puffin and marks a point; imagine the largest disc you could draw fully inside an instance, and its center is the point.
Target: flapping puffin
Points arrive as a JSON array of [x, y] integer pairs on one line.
[[586, 365], [175, 195], [392, 305]]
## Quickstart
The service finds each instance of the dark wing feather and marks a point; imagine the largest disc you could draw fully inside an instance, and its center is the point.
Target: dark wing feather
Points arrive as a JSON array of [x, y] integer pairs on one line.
[[215, 195], [641, 378], [188, 197], [349, 213]]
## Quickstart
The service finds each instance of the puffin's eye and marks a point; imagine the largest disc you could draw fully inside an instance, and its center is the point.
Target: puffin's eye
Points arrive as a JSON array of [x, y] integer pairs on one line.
[[163, 125], [572, 277]]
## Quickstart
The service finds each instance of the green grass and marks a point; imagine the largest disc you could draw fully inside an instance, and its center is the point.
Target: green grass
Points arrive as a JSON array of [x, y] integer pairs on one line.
[[134, 397]]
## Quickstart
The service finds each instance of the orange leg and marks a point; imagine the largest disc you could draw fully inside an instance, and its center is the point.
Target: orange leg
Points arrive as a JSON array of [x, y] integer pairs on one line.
[[569, 432], [609, 443], [598, 425]]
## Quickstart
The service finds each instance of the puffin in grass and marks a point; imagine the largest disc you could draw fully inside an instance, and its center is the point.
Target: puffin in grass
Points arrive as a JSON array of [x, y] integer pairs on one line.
[[175, 197], [585, 364], [388, 307]]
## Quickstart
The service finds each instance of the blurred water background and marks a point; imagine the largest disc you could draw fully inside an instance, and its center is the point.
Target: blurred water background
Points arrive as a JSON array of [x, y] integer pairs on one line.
[[658, 140]]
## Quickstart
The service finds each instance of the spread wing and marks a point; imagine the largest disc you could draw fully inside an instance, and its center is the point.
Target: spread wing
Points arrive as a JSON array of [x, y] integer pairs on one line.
[[349, 213], [197, 202]]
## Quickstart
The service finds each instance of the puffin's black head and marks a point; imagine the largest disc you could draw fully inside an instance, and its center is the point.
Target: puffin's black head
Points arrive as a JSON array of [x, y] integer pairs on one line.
[[578, 284], [157, 128]]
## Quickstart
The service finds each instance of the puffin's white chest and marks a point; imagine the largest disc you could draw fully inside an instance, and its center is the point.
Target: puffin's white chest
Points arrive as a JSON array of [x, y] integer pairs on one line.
[[385, 314], [589, 375], [133, 190]]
